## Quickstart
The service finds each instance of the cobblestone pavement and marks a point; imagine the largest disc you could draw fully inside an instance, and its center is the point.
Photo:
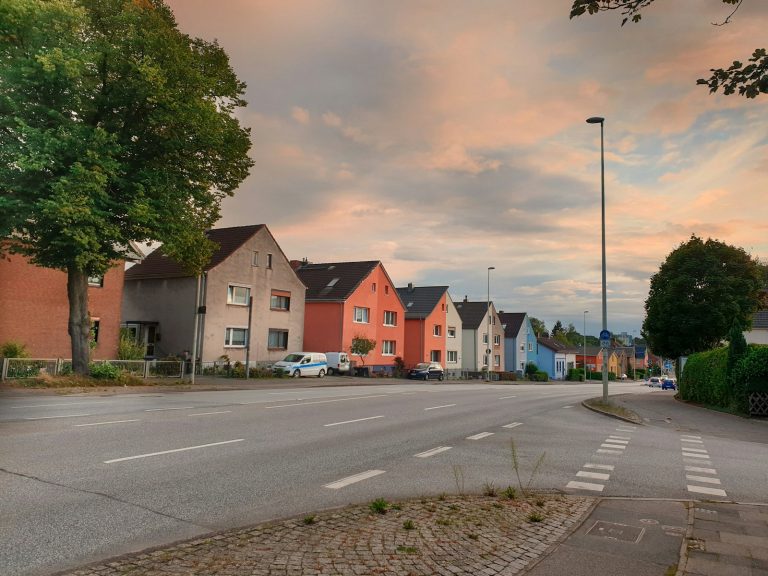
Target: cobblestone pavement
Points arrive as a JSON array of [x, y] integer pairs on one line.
[[448, 536]]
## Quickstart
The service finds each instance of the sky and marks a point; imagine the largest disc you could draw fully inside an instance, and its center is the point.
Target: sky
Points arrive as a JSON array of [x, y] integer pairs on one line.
[[443, 137]]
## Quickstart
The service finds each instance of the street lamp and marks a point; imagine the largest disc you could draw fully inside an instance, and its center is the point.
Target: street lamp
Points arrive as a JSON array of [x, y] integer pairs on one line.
[[488, 350], [585, 345], [601, 121]]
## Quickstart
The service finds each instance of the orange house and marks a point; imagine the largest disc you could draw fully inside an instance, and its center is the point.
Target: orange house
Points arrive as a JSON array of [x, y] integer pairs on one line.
[[425, 323], [345, 300]]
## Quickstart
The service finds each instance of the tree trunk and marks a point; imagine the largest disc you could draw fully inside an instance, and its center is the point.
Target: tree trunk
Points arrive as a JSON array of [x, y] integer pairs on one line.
[[79, 320]]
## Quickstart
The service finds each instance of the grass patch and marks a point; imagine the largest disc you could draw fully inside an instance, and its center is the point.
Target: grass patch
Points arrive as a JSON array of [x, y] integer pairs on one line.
[[407, 549], [74, 381], [409, 525], [379, 506], [535, 517], [489, 489], [609, 408], [311, 519], [443, 522], [509, 493]]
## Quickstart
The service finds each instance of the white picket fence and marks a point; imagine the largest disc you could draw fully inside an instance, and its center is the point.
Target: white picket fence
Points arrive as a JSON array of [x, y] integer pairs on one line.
[[16, 368]]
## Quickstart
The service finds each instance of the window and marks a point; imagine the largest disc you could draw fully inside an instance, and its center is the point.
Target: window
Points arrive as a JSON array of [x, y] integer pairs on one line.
[[373, 287], [530, 347], [361, 315], [235, 337], [437, 331], [453, 356], [497, 339], [388, 348], [269, 260], [97, 281], [95, 329], [434, 356], [386, 289], [255, 259], [238, 295], [497, 360], [522, 347], [390, 318], [280, 300], [485, 338], [451, 331], [277, 339]]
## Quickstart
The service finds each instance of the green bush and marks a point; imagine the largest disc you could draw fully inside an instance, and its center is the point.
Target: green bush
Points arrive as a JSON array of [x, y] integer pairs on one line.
[[531, 369], [105, 371], [749, 375], [575, 374], [12, 349], [599, 376], [128, 348], [540, 376], [704, 378]]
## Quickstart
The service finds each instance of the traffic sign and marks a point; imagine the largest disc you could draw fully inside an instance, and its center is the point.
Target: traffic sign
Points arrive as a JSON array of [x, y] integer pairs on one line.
[[605, 339]]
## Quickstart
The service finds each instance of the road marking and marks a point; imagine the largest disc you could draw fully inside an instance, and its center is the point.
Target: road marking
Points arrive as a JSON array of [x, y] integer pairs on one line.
[[593, 475], [613, 446], [110, 422], [351, 421], [603, 451], [512, 425], [690, 436], [620, 437], [352, 479], [208, 413], [696, 455], [569, 406], [691, 440], [599, 466], [171, 451], [704, 490], [699, 450], [615, 441], [432, 452], [692, 461], [61, 404], [327, 401], [62, 416], [166, 409], [437, 407], [705, 479], [506, 397], [480, 436], [584, 486], [702, 470], [625, 429]]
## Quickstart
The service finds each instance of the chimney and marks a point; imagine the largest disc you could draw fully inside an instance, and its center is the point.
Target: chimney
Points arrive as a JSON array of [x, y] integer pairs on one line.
[[465, 298], [410, 286], [296, 264]]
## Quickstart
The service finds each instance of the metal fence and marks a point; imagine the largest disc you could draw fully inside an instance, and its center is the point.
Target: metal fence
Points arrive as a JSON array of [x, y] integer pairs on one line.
[[17, 368]]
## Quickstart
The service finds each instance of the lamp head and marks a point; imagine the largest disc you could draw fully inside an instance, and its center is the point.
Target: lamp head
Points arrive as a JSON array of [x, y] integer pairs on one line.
[[595, 120], [491, 267]]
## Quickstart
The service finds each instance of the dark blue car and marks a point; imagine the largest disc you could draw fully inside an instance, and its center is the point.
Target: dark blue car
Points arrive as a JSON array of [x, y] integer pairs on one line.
[[426, 371], [668, 384]]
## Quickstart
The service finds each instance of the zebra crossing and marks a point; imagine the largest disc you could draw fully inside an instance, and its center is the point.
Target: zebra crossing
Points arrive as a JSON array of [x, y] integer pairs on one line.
[[594, 475], [700, 477]]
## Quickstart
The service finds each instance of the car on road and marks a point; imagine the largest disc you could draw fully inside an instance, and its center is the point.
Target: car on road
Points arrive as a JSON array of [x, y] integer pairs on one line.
[[427, 371], [654, 382], [668, 384], [300, 364]]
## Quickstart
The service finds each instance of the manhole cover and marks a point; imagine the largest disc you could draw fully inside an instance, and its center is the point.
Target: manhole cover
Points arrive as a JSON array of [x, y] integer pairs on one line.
[[614, 531]]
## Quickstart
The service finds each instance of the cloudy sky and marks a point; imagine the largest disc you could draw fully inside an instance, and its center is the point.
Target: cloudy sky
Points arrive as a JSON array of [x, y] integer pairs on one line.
[[445, 136]]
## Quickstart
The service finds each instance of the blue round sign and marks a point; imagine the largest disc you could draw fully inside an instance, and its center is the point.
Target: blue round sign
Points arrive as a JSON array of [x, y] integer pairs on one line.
[[605, 334]]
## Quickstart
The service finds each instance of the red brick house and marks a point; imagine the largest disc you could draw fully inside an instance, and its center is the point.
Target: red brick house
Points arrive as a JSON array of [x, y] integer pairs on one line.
[[425, 323], [34, 309], [345, 300]]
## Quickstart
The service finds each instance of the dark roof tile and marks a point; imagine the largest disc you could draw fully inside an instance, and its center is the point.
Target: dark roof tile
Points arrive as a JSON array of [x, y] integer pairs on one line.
[[420, 301], [471, 313], [334, 281], [512, 322]]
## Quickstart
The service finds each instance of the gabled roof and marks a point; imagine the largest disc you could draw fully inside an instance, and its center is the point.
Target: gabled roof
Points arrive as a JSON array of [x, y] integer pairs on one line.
[[334, 281], [512, 322], [471, 313], [158, 265], [552, 344], [760, 320], [420, 301]]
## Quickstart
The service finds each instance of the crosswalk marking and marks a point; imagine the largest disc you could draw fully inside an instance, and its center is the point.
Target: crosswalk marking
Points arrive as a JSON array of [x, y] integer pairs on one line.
[[705, 479], [584, 486], [706, 456], [702, 470], [692, 441], [599, 466], [604, 451], [705, 490], [593, 475], [690, 436], [612, 446], [620, 437], [615, 441], [699, 450]]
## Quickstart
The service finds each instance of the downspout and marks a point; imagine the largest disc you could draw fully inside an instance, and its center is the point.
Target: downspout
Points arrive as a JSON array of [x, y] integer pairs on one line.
[[202, 320], [194, 330]]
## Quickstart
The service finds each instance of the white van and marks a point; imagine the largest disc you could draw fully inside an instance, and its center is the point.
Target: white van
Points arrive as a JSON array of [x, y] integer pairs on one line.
[[300, 364], [338, 362]]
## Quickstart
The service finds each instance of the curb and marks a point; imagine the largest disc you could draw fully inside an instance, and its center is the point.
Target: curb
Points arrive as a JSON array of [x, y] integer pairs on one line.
[[638, 421], [681, 565]]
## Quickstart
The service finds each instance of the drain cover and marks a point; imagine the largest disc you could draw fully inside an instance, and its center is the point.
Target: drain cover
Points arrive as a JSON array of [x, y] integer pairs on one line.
[[614, 531]]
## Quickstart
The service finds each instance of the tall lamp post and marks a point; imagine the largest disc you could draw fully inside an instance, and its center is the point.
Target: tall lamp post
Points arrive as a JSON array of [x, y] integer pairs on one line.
[[489, 349], [601, 121], [585, 345]]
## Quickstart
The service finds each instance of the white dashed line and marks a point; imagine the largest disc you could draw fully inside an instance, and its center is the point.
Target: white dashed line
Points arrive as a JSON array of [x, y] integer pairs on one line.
[[438, 407], [699, 450], [584, 486], [620, 437], [599, 466], [704, 490], [702, 470], [62, 416], [705, 479], [569, 406], [171, 451], [166, 409], [690, 436], [480, 436], [506, 397], [604, 451], [352, 421], [615, 441], [110, 422], [512, 425], [691, 440], [352, 479], [593, 475], [327, 401], [432, 452], [61, 404], [706, 456], [613, 446], [209, 413]]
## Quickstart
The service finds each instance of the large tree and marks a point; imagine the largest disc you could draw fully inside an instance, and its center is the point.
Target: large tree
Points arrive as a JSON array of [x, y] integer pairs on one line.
[[749, 80], [700, 290], [114, 127], [539, 328]]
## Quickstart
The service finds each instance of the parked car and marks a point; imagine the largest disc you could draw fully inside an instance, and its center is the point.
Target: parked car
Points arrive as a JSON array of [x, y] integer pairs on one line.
[[427, 371], [668, 384], [300, 364], [654, 382], [338, 362]]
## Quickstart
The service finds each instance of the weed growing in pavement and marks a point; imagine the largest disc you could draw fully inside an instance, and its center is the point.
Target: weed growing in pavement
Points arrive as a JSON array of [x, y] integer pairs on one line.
[[453, 507], [540, 502], [497, 505], [489, 489], [535, 517], [409, 525], [407, 549], [379, 506], [473, 536], [458, 477], [395, 507], [441, 497], [311, 519], [509, 493], [516, 467], [443, 522]]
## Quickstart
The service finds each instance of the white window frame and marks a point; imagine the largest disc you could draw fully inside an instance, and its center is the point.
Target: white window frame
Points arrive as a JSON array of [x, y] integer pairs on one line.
[[392, 317], [229, 332], [437, 331], [451, 331], [231, 294], [96, 281], [255, 259], [497, 340], [277, 330], [530, 347], [432, 357], [280, 298], [485, 338], [388, 344], [452, 357], [497, 360], [364, 315]]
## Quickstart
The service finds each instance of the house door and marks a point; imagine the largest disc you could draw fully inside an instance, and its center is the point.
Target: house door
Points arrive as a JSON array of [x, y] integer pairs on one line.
[[150, 336]]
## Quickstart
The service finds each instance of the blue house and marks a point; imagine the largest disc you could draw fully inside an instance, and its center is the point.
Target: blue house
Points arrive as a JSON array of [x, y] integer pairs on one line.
[[519, 340], [551, 357]]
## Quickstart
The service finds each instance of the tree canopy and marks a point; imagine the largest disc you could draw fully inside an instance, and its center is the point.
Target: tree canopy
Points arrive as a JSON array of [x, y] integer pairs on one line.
[[700, 290], [539, 328], [114, 127], [750, 80]]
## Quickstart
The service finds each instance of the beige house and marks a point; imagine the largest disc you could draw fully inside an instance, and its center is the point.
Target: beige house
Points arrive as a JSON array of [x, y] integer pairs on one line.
[[248, 272], [476, 343], [453, 338]]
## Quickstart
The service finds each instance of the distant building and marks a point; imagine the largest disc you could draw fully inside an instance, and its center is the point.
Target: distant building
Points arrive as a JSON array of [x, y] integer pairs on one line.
[[478, 348], [425, 323], [758, 334]]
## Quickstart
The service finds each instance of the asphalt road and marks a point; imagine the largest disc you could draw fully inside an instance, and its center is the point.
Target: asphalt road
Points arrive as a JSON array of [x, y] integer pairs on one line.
[[83, 478]]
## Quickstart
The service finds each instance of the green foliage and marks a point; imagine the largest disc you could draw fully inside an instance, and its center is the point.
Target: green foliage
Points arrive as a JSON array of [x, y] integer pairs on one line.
[[599, 376], [700, 289], [128, 348], [13, 349], [309, 520], [535, 517], [379, 506], [489, 489], [749, 375], [509, 493], [409, 525], [749, 80], [737, 347], [399, 367], [575, 374], [540, 376], [539, 328], [704, 378], [531, 369], [361, 346], [105, 371], [558, 330]]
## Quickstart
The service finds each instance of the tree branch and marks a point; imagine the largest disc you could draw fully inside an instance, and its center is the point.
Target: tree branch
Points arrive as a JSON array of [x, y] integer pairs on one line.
[[728, 18]]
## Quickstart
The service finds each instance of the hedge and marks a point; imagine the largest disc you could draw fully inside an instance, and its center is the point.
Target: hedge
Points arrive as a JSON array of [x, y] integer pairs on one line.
[[750, 375], [704, 378]]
